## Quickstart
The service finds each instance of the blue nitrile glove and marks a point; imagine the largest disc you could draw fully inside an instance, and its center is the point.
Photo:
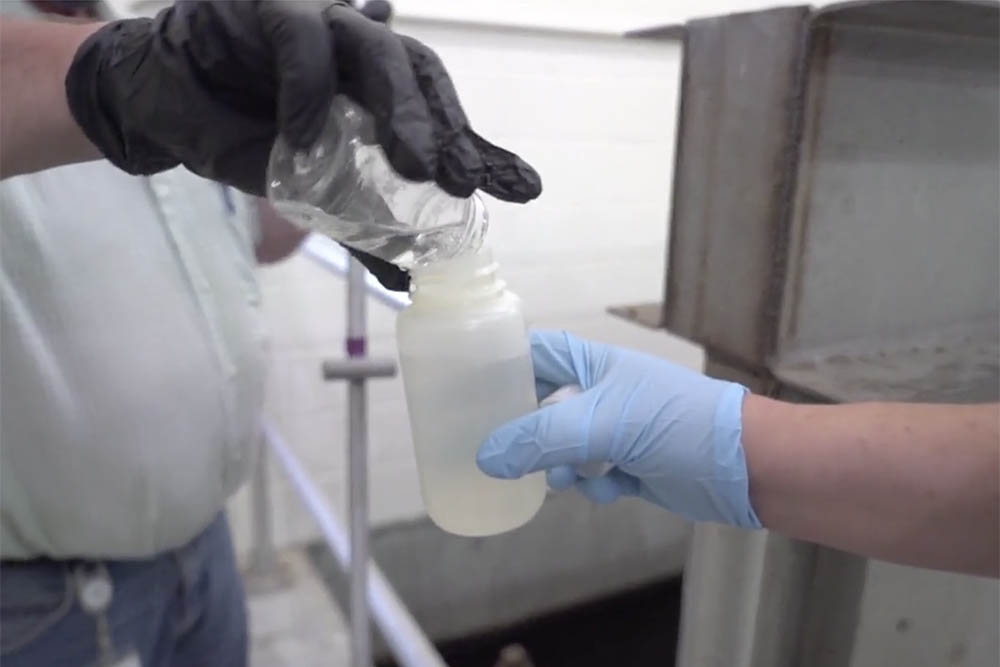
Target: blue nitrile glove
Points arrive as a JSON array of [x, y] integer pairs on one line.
[[672, 435]]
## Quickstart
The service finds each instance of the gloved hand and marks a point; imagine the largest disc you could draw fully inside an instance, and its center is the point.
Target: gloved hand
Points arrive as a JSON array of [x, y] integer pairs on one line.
[[210, 84], [671, 435]]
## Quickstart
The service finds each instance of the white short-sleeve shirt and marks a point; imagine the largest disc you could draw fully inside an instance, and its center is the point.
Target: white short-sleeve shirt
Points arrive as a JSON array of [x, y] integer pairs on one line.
[[132, 359]]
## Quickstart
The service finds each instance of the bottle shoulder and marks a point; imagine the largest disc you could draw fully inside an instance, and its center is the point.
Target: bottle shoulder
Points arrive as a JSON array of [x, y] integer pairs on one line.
[[469, 333], [442, 313]]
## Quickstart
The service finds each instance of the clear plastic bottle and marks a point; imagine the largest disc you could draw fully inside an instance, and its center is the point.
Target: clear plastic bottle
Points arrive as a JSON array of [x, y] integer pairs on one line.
[[345, 188], [466, 364]]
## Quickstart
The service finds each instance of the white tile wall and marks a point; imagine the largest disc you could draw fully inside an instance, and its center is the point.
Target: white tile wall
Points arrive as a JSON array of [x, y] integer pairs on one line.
[[596, 117]]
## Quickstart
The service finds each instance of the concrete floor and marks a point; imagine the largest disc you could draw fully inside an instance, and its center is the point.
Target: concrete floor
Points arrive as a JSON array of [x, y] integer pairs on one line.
[[293, 620]]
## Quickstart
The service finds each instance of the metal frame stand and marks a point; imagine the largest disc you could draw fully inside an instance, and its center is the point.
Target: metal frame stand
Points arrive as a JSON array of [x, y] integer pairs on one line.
[[357, 369], [265, 572]]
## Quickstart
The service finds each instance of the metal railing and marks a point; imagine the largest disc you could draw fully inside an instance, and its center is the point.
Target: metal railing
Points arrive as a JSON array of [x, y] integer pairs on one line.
[[369, 589]]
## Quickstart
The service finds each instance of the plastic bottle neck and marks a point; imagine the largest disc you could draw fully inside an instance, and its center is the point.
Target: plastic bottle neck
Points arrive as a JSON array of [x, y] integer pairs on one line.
[[466, 279]]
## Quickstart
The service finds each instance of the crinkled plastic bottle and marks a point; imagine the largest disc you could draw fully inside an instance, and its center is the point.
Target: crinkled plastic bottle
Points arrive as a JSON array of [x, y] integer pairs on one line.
[[344, 187]]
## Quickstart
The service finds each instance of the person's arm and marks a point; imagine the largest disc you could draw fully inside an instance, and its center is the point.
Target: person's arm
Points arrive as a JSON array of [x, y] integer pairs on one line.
[[917, 484], [37, 130], [278, 237], [211, 85], [914, 484]]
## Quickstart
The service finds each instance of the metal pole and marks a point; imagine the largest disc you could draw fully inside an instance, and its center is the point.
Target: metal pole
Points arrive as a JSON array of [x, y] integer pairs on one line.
[[357, 405], [264, 558]]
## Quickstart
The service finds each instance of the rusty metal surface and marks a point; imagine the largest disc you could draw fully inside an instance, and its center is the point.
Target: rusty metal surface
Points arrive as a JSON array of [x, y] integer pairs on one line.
[[736, 152], [671, 32], [837, 185], [893, 283], [831, 609], [648, 315], [835, 235], [961, 17], [957, 364], [896, 227], [759, 599], [969, 17]]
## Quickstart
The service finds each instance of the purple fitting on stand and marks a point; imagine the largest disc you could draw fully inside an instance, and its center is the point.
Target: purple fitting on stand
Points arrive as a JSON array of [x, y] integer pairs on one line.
[[356, 347]]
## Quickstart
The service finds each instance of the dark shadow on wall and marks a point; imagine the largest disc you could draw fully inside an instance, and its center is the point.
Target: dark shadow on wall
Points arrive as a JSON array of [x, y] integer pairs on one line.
[[636, 628]]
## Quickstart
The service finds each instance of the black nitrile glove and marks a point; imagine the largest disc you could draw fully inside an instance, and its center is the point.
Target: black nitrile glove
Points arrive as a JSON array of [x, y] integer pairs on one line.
[[209, 84]]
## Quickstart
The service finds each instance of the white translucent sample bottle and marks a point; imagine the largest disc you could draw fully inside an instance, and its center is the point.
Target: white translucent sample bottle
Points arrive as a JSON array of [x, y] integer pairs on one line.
[[344, 187], [466, 365]]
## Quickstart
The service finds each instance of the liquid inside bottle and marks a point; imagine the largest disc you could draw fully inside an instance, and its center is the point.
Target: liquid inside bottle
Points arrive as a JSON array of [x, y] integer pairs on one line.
[[466, 365], [452, 410], [345, 188]]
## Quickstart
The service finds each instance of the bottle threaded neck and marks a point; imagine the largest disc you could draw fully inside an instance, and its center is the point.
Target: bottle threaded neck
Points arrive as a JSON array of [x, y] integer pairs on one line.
[[467, 277]]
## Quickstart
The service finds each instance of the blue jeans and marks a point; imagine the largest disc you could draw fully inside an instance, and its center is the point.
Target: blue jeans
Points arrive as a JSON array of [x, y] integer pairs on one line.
[[183, 608]]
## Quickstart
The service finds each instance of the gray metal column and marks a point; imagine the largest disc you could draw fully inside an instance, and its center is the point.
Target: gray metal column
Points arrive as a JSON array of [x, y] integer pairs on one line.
[[357, 402], [265, 572], [357, 369], [264, 558], [744, 591], [833, 237]]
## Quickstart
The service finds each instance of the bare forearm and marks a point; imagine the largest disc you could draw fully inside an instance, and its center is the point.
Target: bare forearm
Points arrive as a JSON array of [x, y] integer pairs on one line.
[[37, 130], [278, 237], [917, 484]]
